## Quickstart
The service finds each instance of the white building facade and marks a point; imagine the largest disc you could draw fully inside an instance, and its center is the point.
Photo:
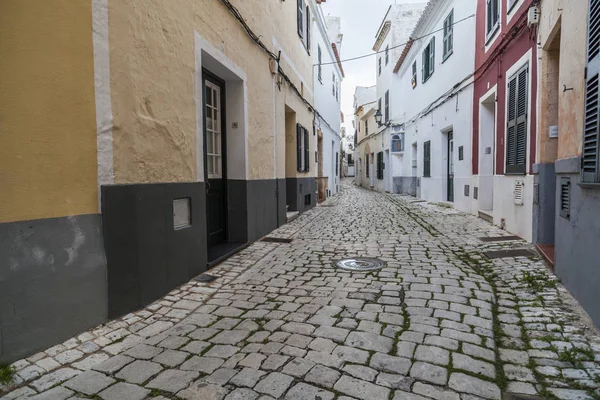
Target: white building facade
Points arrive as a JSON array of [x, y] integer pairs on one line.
[[434, 84], [328, 75]]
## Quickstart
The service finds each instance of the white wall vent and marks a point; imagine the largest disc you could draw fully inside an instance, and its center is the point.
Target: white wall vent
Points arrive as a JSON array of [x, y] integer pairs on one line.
[[518, 192]]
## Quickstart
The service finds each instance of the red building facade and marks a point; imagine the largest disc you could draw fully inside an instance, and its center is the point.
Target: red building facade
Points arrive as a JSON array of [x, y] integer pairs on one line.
[[504, 115]]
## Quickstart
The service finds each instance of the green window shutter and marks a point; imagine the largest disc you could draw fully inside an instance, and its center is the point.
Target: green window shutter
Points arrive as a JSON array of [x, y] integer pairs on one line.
[[300, 18], [308, 30], [387, 106], [432, 56], [427, 159], [516, 137], [590, 155], [306, 151], [299, 147]]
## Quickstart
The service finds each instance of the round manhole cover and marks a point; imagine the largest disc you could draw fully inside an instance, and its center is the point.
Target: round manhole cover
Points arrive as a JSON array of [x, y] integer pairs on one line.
[[360, 264]]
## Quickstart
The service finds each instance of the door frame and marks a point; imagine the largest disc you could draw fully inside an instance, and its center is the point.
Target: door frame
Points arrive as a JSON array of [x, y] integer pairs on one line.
[[450, 171], [215, 80]]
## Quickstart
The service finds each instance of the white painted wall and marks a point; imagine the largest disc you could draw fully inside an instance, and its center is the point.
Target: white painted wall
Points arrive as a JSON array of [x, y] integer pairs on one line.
[[427, 112], [326, 101]]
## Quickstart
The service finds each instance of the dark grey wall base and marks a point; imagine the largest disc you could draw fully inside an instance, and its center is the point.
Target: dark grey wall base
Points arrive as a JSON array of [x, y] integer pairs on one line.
[[297, 189], [263, 213], [544, 205], [405, 185], [237, 211], [147, 257], [52, 282], [577, 253]]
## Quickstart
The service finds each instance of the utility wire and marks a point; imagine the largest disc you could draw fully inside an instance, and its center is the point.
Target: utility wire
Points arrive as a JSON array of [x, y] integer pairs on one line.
[[397, 46]]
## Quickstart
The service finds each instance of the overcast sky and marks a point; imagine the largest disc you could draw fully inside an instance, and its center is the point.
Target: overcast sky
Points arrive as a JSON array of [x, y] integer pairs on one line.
[[360, 21]]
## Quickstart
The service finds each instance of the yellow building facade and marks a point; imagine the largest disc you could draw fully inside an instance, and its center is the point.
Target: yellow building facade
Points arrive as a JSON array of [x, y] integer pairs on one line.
[[141, 142]]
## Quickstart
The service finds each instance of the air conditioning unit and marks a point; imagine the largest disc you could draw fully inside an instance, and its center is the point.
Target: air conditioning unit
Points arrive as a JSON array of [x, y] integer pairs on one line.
[[533, 16]]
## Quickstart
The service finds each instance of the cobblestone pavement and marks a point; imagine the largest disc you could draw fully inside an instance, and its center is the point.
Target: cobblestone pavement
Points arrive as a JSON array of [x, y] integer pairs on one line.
[[440, 321]]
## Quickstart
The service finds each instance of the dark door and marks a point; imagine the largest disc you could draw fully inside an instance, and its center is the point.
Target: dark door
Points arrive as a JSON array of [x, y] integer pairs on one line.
[[450, 166], [214, 159]]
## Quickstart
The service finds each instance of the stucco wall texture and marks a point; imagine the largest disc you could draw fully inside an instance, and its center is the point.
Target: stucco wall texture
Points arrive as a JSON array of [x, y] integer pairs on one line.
[[153, 82], [47, 110]]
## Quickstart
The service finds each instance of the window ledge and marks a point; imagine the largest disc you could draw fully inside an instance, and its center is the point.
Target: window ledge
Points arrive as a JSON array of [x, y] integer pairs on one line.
[[447, 56], [490, 36], [589, 185], [515, 174], [426, 79]]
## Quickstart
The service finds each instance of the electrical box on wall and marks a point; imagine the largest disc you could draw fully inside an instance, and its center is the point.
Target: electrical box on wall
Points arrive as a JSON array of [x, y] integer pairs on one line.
[[553, 131], [533, 16]]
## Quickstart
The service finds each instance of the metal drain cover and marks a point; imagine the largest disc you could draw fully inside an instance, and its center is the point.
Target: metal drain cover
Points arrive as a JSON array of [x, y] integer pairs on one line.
[[360, 264]]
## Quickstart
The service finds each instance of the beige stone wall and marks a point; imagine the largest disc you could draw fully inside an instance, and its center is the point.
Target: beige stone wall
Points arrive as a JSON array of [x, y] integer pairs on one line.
[[153, 78], [563, 32]]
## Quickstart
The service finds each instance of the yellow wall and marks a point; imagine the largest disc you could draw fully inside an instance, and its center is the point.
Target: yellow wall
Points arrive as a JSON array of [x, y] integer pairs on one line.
[[47, 110], [572, 22], [152, 58]]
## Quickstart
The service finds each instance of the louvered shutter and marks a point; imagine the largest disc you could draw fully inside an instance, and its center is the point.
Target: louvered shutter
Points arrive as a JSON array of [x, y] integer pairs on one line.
[[591, 141], [427, 159], [516, 137], [308, 30], [423, 65], [387, 106], [299, 147], [300, 18], [306, 151], [432, 56]]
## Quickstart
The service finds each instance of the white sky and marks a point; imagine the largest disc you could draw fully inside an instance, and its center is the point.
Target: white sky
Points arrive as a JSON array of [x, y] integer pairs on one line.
[[360, 21]]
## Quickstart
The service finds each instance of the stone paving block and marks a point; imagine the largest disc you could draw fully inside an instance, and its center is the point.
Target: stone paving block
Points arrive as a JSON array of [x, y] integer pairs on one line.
[[369, 341], [303, 391], [351, 354], [471, 385], [274, 362], [113, 364], [174, 342], [361, 372], [57, 393], [253, 360], [90, 382], [435, 392], [298, 367], [322, 345], [53, 378], [206, 365], [298, 328], [479, 352], [274, 384], [203, 390], [518, 373], [514, 356], [325, 359], [221, 376], [322, 376], [221, 351], [431, 354], [387, 363], [171, 358], [155, 328], [360, 389], [69, 356], [248, 377], [172, 380], [122, 391], [429, 373], [242, 394], [203, 333], [143, 351], [139, 371], [394, 381], [230, 337], [466, 363]]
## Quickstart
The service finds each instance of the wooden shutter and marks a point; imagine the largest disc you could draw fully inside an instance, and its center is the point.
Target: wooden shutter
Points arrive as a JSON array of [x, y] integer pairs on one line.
[[379, 105], [337, 163], [299, 130], [387, 106], [431, 56], [516, 138], [308, 30], [300, 18], [427, 159], [320, 55], [590, 155], [306, 151], [423, 65]]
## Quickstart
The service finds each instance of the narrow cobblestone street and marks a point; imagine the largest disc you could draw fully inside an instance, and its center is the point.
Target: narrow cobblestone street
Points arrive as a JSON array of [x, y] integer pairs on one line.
[[439, 321]]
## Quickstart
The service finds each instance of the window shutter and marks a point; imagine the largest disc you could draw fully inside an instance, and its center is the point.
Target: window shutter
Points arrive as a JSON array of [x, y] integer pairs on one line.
[[511, 135], [427, 159], [423, 62], [299, 147], [522, 105], [591, 138], [320, 55], [387, 106], [308, 30], [516, 140], [379, 105], [432, 56], [306, 151], [300, 18]]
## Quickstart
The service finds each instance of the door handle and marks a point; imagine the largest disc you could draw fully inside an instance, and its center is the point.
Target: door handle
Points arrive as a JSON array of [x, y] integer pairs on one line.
[[207, 186]]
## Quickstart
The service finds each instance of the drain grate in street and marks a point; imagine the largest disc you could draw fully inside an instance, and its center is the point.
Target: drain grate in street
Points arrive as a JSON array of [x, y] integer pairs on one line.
[[509, 253], [205, 278], [270, 239], [360, 264], [499, 238]]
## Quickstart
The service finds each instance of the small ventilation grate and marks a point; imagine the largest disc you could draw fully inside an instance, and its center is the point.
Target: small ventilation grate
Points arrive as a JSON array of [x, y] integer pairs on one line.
[[270, 239], [499, 238], [205, 278], [518, 192], [360, 264], [565, 198], [509, 253]]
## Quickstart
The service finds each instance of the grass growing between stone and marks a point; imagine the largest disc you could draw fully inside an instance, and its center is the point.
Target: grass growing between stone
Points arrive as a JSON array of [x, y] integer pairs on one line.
[[7, 374]]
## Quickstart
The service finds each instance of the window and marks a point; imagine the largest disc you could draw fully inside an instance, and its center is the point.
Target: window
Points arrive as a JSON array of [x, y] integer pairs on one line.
[[511, 3], [308, 30], [333, 83], [414, 75], [303, 22], [448, 35], [320, 61], [379, 65], [214, 138], [428, 60], [337, 163], [590, 157], [427, 159], [367, 163], [379, 105], [387, 106], [301, 18], [380, 165], [516, 136], [492, 21], [366, 127], [387, 54], [302, 149], [398, 143]]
